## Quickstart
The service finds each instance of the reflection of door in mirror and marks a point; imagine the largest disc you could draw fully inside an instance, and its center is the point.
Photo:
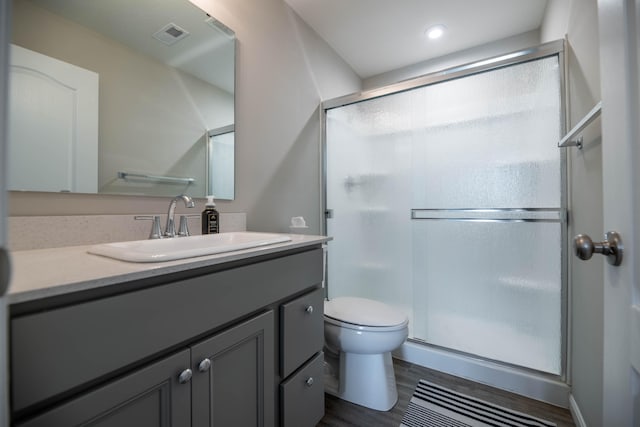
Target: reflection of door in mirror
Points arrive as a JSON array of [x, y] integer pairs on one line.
[[53, 124], [220, 163]]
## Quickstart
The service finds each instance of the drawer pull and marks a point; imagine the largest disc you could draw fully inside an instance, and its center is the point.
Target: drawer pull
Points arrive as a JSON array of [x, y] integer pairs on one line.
[[309, 309], [204, 365], [309, 382], [185, 376]]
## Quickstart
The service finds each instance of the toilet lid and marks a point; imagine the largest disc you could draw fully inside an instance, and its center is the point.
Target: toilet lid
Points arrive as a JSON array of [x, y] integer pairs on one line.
[[362, 311]]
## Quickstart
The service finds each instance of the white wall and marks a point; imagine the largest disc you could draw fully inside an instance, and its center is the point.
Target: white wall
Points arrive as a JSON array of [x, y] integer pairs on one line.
[[578, 19], [281, 83], [555, 20], [488, 50], [332, 77]]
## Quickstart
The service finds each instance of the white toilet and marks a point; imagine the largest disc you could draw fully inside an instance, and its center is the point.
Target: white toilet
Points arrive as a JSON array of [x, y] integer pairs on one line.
[[359, 337]]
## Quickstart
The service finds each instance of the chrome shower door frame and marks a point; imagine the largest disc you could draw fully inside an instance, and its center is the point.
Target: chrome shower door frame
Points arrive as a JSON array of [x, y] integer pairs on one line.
[[539, 385]]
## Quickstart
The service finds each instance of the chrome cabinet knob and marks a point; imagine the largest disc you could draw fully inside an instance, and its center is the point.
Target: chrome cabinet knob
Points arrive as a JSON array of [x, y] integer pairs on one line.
[[185, 376], [204, 365], [309, 382], [309, 309], [612, 248]]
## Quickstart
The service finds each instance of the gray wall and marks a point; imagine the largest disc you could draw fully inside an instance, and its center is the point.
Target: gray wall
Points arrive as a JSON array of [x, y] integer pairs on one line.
[[283, 72], [579, 20]]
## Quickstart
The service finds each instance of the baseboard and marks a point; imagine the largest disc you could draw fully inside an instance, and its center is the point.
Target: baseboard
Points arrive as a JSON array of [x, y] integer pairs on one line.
[[575, 412], [517, 381]]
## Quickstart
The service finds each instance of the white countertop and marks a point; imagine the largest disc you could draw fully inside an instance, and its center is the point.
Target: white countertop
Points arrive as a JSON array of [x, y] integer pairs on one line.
[[45, 273]]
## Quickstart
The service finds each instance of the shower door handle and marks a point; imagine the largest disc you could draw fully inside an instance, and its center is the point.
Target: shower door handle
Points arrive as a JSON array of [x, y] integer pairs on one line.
[[612, 248]]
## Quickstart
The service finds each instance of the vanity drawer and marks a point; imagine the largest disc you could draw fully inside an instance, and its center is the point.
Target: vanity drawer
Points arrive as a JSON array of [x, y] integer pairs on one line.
[[302, 323], [302, 395], [65, 349]]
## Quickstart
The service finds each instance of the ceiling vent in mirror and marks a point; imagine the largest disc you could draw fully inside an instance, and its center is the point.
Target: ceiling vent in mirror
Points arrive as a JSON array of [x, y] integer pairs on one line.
[[170, 34]]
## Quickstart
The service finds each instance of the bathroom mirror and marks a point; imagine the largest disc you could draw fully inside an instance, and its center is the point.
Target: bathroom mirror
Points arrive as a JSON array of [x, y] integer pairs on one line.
[[161, 81]]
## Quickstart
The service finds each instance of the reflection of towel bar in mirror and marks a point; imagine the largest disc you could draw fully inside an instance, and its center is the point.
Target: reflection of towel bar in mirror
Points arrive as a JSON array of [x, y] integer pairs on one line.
[[176, 179], [568, 141]]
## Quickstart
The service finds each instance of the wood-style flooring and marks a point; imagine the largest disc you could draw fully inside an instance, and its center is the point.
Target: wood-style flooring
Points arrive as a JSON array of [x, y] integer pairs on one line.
[[339, 413]]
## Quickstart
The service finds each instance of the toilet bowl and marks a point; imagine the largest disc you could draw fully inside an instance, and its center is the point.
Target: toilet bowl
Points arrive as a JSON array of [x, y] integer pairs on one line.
[[360, 335]]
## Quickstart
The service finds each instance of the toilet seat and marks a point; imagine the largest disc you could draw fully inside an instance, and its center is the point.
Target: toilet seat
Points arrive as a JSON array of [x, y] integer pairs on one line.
[[362, 328], [364, 314]]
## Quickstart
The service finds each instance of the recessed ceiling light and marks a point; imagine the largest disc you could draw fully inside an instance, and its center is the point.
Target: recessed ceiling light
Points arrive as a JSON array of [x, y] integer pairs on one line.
[[435, 32]]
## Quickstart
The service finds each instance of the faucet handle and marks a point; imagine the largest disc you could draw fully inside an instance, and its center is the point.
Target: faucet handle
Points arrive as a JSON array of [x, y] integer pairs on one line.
[[183, 228], [156, 231]]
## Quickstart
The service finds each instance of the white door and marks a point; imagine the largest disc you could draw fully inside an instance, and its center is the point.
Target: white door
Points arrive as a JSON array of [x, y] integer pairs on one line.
[[619, 23], [5, 35], [53, 124]]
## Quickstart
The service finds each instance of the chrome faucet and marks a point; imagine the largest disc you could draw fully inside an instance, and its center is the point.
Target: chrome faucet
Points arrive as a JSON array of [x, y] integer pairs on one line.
[[170, 228]]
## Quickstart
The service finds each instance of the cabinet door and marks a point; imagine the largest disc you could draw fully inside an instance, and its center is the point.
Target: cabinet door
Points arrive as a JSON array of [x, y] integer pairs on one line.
[[150, 397], [302, 395], [302, 323], [236, 386]]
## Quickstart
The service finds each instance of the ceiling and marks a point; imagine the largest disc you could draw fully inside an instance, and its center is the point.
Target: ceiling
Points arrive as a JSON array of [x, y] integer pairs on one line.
[[376, 36], [207, 52]]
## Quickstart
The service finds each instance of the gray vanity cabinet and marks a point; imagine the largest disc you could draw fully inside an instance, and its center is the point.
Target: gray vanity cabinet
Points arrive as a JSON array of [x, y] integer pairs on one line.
[[225, 380], [243, 329], [150, 397]]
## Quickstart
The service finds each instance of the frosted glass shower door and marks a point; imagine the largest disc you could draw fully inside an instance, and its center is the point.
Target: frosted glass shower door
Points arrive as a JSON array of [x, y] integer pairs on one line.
[[367, 175], [487, 216], [447, 203]]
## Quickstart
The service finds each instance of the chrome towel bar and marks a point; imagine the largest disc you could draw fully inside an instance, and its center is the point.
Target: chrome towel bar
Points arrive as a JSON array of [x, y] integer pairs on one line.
[[568, 141], [126, 175]]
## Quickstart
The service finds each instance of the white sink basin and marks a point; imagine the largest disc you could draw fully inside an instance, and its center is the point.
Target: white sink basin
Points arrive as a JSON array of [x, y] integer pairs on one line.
[[185, 247]]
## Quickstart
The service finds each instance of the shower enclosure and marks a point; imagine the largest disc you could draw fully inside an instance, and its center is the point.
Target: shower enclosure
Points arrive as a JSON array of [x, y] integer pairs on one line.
[[446, 199]]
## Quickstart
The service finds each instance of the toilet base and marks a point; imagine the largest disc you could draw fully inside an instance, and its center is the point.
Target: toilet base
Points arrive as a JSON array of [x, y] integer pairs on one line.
[[364, 379]]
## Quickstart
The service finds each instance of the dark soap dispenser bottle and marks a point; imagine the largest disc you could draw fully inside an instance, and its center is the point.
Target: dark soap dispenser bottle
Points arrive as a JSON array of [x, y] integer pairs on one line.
[[210, 217]]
